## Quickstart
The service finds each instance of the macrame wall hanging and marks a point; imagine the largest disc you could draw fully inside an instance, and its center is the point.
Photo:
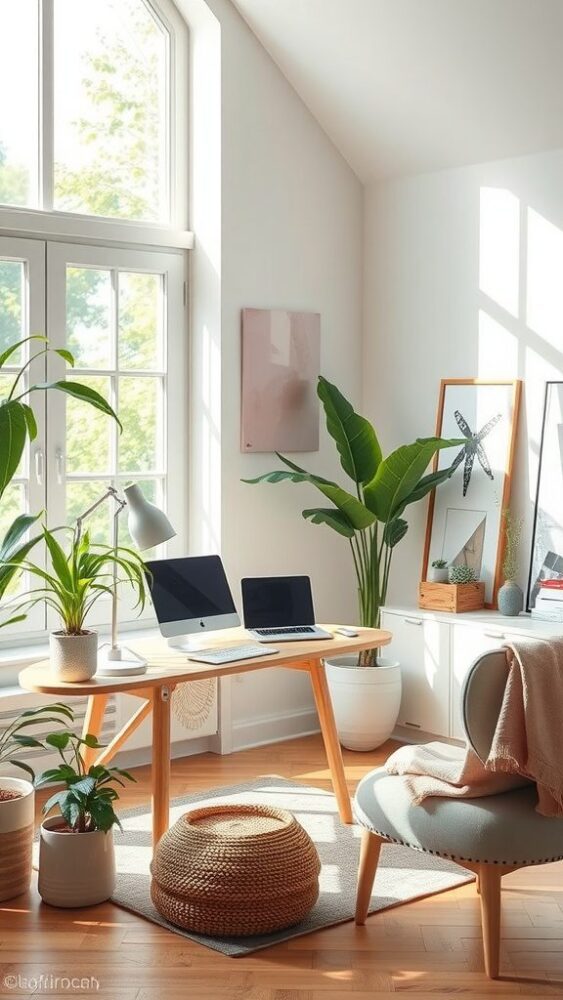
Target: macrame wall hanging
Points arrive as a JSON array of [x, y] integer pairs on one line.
[[192, 703]]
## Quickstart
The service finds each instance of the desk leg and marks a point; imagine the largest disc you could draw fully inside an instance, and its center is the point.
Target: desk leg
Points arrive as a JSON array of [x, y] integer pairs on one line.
[[160, 762], [93, 724], [330, 738]]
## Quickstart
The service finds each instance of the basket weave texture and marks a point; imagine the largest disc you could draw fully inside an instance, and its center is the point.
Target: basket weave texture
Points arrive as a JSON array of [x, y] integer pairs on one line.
[[235, 870]]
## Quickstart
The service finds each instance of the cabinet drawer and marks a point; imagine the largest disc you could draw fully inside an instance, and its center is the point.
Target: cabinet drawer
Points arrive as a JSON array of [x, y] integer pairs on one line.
[[422, 648], [468, 643]]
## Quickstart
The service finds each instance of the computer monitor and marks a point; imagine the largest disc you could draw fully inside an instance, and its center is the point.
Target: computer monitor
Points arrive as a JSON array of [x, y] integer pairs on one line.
[[191, 595]]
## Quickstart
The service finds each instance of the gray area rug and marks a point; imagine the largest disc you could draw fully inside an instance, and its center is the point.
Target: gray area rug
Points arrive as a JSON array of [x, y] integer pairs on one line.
[[402, 874]]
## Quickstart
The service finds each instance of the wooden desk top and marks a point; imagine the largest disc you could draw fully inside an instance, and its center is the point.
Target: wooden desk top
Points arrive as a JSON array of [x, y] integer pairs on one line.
[[167, 665]]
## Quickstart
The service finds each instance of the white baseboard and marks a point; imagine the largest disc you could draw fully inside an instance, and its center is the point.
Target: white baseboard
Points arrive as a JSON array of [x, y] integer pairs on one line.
[[249, 733], [181, 748], [405, 735]]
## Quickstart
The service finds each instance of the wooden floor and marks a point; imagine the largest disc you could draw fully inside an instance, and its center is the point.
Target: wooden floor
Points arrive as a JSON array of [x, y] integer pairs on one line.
[[427, 948]]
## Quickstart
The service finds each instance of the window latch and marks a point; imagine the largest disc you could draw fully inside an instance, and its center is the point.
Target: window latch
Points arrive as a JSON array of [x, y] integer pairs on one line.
[[39, 466]]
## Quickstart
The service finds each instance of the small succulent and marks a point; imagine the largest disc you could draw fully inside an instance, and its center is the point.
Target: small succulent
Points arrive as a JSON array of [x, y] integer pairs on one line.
[[439, 564], [462, 574]]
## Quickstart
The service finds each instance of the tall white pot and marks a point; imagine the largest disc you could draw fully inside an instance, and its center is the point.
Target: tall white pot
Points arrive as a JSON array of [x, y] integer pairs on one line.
[[365, 700], [16, 837], [75, 869]]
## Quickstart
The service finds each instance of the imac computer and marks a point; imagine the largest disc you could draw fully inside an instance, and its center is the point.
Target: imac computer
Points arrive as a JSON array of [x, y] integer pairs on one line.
[[190, 595]]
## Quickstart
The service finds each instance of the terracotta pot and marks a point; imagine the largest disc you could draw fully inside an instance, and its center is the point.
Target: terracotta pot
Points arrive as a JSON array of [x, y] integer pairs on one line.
[[16, 837], [75, 869], [74, 657]]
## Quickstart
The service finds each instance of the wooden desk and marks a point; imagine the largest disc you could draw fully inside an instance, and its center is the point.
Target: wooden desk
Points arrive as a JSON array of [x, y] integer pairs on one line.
[[168, 667]]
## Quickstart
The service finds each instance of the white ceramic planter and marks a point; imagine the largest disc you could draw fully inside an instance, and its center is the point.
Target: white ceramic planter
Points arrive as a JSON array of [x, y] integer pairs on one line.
[[436, 575], [365, 700], [75, 869], [74, 657], [16, 838]]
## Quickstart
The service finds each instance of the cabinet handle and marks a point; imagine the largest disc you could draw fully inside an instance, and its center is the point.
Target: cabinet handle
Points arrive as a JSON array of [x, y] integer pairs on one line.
[[39, 466], [494, 635], [60, 461], [415, 725], [412, 621]]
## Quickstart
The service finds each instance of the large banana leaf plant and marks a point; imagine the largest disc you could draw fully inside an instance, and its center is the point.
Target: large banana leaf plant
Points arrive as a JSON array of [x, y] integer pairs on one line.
[[371, 516], [17, 427]]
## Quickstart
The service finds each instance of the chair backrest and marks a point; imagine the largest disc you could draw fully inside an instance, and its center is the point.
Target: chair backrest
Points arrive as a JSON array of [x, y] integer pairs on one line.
[[481, 699]]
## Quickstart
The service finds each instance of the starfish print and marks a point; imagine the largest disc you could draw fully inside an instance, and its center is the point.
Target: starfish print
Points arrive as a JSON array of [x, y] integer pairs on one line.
[[473, 448]]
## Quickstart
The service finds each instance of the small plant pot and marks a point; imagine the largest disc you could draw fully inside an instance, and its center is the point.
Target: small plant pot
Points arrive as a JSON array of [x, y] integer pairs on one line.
[[365, 700], [436, 575], [16, 836], [74, 657], [75, 869]]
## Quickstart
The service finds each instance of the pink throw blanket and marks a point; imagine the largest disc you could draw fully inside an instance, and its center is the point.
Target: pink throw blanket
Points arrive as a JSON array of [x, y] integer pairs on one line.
[[527, 743]]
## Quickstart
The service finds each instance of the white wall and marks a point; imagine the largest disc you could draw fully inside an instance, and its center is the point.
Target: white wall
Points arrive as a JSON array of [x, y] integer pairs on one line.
[[463, 277], [291, 237]]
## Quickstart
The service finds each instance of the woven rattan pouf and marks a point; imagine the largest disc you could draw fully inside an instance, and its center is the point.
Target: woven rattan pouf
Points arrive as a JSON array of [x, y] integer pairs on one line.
[[231, 871]]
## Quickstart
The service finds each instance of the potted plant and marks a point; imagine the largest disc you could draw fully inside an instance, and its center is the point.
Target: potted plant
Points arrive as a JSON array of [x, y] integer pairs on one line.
[[510, 596], [18, 427], [462, 574], [76, 851], [438, 572], [366, 701], [17, 800], [76, 581]]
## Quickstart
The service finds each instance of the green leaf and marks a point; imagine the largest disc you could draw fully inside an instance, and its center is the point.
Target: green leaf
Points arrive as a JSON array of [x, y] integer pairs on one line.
[[30, 421], [58, 559], [394, 531], [429, 483], [399, 474], [84, 786], [14, 347], [58, 740], [357, 514], [13, 433], [55, 800], [66, 355], [24, 767], [15, 532], [82, 392], [332, 517], [26, 741], [356, 440]]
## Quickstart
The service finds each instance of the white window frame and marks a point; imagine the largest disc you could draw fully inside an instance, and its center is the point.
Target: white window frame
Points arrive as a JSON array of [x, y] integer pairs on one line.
[[44, 221]]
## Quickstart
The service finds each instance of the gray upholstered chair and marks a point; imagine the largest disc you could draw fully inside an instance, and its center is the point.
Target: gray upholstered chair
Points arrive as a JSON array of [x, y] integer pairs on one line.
[[491, 836]]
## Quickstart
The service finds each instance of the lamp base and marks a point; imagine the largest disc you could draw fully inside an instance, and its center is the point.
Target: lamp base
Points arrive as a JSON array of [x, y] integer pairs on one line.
[[119, 662]]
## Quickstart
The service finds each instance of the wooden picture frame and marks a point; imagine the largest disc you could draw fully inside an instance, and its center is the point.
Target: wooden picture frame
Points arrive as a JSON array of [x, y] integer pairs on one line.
[[468, 507], [546, 553]]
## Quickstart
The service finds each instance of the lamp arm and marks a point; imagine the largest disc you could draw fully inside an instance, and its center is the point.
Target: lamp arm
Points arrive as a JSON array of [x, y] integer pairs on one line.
[[110, 492]]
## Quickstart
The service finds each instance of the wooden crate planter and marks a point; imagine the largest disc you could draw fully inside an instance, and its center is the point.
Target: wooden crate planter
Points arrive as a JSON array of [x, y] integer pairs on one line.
[[451, 596]]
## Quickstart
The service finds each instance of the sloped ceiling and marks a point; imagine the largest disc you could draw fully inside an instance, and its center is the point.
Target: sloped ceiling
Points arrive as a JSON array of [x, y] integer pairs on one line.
[[406, 86]]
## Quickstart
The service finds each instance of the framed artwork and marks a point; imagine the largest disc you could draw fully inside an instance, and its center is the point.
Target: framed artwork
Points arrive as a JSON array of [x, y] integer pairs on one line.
[[465, 513], [547, 537], [280, 366]]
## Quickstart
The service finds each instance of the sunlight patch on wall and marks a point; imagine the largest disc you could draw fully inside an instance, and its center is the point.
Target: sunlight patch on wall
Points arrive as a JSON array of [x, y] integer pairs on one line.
[[498, 349], [545, 279], [499, 247]]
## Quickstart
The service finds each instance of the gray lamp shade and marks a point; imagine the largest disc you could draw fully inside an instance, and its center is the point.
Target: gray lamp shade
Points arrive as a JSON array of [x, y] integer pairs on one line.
[[147, 524]]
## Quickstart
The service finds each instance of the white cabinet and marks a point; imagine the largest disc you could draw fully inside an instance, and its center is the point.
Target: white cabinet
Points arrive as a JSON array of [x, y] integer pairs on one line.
[[421, 647], [436, 651]]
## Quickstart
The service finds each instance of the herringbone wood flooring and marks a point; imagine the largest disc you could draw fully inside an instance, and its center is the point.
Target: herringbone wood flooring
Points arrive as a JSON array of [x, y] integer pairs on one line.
[[427, 948]]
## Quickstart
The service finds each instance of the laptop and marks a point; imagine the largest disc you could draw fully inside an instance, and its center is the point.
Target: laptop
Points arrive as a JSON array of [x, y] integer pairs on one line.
[[280, 609]]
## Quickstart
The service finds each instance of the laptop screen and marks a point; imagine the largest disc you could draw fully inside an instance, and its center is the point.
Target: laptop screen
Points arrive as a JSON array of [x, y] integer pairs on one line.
[[277, 601]]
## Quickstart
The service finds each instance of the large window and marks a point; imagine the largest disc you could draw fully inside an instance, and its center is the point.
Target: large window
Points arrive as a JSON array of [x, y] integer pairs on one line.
[[91, 115], [93, 166]]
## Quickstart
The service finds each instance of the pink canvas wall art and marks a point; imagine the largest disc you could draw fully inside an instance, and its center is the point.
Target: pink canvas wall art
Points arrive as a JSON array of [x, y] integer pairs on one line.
[[280, 365]]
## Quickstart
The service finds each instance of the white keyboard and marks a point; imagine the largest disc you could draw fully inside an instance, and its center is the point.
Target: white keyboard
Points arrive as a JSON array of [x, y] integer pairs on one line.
[[231, 653]]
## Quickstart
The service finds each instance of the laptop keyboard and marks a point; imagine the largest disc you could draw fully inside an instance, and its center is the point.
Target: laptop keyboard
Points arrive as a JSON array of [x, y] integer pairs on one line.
[[293, 630]]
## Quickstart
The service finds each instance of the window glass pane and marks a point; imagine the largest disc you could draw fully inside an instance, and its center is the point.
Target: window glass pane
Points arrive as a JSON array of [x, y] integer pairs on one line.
[[11, 305], [110, 110], [19, 102], [140, 334], [88, 431], [88, 312], [139, 406], [81, 496]]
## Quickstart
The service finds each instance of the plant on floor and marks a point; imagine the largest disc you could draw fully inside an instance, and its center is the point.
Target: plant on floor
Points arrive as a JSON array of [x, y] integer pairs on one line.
[[86, 802], [512, 539], [462, 574], [18, 426], [371, 519], [82, 575], [13, 740], [439, 564]]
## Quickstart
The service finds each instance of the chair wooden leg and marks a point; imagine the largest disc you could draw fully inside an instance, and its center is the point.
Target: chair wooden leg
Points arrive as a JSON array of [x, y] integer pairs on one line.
[[369, 856], [489, 882]]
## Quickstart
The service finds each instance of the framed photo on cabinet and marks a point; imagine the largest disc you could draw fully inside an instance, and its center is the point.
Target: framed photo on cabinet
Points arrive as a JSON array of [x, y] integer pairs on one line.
[[465, 513]]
